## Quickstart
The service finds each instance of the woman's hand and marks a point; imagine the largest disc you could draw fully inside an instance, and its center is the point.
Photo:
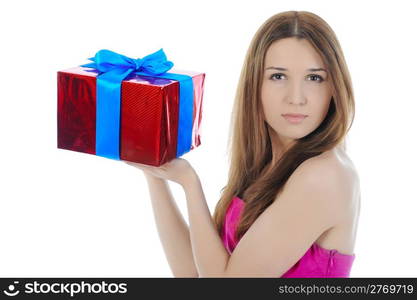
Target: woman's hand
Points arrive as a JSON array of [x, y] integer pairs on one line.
[[177, 170]]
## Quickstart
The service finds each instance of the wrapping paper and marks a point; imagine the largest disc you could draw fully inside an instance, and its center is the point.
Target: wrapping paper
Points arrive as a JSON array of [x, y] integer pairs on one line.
[[149, 115]]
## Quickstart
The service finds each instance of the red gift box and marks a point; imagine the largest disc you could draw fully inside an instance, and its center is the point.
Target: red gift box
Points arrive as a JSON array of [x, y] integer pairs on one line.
[[148, 114]]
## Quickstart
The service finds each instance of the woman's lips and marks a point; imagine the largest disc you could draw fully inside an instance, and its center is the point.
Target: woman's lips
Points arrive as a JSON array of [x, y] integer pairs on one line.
[[294, 118]]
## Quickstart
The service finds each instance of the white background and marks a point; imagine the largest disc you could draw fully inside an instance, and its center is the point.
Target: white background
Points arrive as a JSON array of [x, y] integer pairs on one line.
[[65, 213]]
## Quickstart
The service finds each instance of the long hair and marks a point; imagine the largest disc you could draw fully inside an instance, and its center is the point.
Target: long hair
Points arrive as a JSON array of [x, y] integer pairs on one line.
[[251, 149]]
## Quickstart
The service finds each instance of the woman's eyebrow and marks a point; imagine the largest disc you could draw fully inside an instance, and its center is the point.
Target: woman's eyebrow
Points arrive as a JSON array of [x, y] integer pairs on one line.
[[317, 69], [284, 69]]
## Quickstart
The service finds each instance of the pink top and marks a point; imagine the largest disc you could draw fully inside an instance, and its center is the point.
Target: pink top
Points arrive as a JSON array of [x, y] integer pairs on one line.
[[316, 262]]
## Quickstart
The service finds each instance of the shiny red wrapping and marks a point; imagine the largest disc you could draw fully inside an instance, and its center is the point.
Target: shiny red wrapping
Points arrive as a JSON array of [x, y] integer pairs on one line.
[[149, 114]]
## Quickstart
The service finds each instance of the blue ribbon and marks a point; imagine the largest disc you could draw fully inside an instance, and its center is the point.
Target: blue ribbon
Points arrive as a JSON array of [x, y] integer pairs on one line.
[[115, 68]]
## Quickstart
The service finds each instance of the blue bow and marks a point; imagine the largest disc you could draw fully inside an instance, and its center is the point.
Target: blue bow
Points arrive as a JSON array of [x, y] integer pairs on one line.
[[116, 67], [153, 64]]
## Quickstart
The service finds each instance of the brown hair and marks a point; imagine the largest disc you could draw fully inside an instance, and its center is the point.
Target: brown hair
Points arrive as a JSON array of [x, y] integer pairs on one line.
[[251, 151]]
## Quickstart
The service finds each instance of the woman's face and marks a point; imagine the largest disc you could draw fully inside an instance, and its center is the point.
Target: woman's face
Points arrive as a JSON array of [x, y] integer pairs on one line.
[[292, 84]]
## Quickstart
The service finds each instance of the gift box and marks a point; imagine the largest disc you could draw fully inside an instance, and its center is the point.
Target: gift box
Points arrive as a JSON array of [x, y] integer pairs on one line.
[[130, 109]]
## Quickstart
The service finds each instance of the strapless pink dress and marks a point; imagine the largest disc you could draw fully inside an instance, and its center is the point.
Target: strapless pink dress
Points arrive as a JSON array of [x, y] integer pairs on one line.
[[316, 262]]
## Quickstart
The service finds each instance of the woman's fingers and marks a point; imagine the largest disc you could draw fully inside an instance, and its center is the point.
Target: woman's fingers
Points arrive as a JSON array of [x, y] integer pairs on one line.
[[147, 168], [134, 164]]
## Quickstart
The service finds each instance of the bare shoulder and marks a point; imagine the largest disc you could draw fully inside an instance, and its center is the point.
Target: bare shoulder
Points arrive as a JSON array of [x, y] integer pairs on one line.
[[331, 172], [328, 184]]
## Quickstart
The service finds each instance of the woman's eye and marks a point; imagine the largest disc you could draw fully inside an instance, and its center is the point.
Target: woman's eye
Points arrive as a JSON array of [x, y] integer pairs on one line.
[[276, 74], [318, 77]]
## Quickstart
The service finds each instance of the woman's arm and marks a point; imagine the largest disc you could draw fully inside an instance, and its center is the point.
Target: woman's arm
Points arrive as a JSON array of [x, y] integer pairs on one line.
[[200, 243], [173, 230], [210, 255]]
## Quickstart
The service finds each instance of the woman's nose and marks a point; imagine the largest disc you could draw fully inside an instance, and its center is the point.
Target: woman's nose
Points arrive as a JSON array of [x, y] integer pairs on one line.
[[295, 94]]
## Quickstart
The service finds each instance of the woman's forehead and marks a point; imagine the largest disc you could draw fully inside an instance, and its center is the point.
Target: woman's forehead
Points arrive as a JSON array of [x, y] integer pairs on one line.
[[293, 54]]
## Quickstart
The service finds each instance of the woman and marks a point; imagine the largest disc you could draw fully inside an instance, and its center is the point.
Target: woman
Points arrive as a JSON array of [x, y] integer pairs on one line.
[[291, 204]]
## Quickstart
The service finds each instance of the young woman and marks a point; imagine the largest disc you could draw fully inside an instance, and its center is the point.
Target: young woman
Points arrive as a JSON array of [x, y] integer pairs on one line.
[[291, 204]]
